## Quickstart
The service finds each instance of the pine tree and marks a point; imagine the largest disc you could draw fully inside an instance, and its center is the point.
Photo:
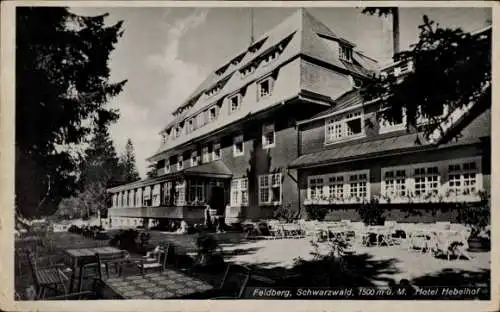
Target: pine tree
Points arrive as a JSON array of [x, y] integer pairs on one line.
[[62, 87], [127, 162]]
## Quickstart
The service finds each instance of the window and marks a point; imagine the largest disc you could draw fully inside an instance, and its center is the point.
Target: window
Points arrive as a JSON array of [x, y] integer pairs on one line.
[[238, 149], [239, 192], [164, 137], [350, 125], [180, 193], [180, 163], [264, 87], [395, 183], [270, 188], [205, 154], [336, 187], [196, 191], [194, 159], [426, 181], [167, 166], [345, 53], [388, 126], [268, 136], [167, 193], [212, 114], [216, 151], [138, 198], [178, 131], [357, 185], [156, 202], [190, 125], [273, 55], [462, 178], [234, 103], [131, 198], [146, 196], [316, 186], [201, 119]]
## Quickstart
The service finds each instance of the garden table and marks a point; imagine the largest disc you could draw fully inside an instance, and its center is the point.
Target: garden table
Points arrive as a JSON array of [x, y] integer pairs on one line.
[[81, 256], [168, 284]]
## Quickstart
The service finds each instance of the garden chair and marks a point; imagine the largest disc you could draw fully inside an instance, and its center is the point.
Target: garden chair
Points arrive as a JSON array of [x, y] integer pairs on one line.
[[64, 280], [276, 229], [45, 277], [157, 259], [94, 270], [291, 230], [234, 282]]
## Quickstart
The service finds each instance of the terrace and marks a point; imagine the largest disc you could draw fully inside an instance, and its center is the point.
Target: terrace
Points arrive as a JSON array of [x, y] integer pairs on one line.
[[296, 254]]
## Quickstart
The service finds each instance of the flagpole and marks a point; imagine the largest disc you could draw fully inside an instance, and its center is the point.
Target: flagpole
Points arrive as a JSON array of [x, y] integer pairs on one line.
[[251, 26]]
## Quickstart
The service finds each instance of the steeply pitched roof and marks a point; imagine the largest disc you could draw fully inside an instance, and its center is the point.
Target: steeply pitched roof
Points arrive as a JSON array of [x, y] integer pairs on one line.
[[308, 38], [472, 133]]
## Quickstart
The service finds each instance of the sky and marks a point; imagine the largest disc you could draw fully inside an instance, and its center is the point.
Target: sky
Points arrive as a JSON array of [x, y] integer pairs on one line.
[[165, 53]]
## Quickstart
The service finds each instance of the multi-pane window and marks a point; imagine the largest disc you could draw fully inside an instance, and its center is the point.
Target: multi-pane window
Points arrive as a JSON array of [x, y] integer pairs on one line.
[[349, 125], [426, 181], [194, 159], [146, 196], [264, 87], [180, 163], [462, 178], [270, 188], [395, 183], [196, 190], [167, 193], [131, 198], [205, 154], [216, 151], [180, 193], [238, 148], [316, 187], [239, 192], [156, 195], [138, 198], [234, 103], [336, 187], [345, 53], [358, 185], [268, 136]]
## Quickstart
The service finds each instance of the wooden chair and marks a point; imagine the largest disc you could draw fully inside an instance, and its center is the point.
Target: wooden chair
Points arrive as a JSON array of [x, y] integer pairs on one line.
[[106, 261], [154, 260], [234, 282], [81, 295], [45, 277]]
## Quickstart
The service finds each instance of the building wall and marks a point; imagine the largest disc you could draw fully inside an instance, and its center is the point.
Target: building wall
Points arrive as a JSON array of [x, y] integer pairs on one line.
[[399, 212]]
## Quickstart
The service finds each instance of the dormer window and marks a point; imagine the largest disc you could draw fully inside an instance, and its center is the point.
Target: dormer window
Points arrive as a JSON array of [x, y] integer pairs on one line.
[[247, 70], [345, 53], [221, 70], [178, 131], [234, 103], [190, 125], [237, 59], [256, 46], [212, 113], [264, 87], [164, 137], [348, 126]]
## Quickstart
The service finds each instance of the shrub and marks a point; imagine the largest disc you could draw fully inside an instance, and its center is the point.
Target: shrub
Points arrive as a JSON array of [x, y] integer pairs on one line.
[[317, 212], [477, 216], [371, 213]]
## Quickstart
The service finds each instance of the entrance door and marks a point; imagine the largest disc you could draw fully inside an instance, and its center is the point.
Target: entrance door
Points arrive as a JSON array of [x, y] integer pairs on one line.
[[217, 200]]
